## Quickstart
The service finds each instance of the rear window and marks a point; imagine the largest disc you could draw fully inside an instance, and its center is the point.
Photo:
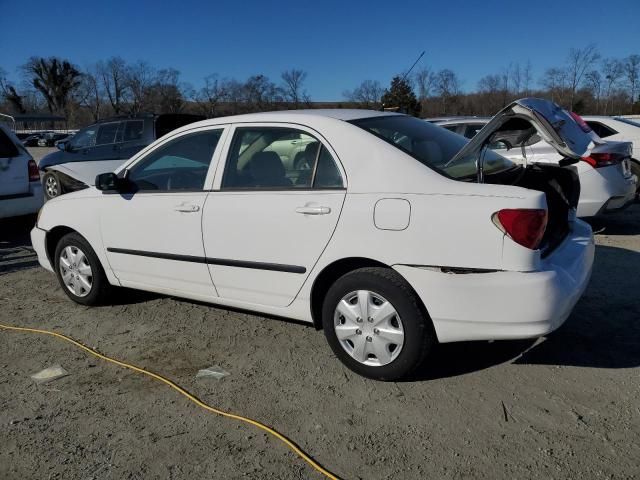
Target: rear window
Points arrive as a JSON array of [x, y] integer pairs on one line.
[[7, 147], [431, 145]]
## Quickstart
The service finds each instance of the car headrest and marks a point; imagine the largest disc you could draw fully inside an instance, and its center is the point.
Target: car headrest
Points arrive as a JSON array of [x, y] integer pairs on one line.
[[266, 169]]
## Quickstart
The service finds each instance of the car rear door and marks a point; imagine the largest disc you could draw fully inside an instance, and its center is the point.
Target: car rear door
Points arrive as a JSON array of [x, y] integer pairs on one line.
[[14, 172], [271, 212]]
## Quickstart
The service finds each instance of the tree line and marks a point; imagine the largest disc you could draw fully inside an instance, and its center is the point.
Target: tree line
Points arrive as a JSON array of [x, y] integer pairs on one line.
[[585, 83], [115, 87]]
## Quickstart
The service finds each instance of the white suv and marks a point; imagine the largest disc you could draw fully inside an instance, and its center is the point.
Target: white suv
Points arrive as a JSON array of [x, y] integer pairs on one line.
[[20, 188]]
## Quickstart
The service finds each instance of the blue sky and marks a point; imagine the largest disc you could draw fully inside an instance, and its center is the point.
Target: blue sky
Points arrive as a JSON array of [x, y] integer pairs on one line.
[[338, 43]]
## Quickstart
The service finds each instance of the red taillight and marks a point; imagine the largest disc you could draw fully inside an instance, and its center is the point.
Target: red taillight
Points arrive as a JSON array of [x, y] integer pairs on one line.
[[598, 160], [524, 226], [580, 121], [34, 173]]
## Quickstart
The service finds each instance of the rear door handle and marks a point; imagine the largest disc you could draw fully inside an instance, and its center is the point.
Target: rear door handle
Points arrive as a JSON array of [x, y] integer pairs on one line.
[[187, 208], [313, 210]]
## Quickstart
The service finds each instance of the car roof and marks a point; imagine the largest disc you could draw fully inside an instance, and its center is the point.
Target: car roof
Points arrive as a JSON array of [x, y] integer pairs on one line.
[[460, 120], [296, 115]]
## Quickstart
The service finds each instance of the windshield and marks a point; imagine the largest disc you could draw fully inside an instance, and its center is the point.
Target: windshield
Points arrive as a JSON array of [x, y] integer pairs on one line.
[[431, 145], [628, 122]]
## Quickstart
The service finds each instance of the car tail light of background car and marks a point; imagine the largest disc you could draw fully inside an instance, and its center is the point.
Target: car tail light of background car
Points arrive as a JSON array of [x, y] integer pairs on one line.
[[524, 226], [599, 160], [34, 174], [580, 121]]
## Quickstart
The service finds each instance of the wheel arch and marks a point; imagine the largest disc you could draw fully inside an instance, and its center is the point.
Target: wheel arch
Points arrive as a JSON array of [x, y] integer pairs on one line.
[[335, 270]]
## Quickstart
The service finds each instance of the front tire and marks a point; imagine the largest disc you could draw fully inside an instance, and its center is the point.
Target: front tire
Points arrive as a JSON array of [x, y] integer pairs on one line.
[[79, 271], [375, 325], [51, 185]]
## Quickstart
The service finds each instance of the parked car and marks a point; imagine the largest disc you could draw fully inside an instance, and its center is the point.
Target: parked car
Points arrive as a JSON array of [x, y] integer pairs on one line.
[[102, 147], [20, 189], [49, 139], [607, 183], [32, 140], [619, 129], [378, 231]]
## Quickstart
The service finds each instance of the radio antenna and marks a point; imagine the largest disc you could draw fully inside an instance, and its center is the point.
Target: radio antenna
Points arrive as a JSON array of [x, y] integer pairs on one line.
[[414, 64]]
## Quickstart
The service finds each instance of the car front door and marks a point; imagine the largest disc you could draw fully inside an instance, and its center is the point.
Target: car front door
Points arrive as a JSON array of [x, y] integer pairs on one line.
[[273, 209], [152, 235]]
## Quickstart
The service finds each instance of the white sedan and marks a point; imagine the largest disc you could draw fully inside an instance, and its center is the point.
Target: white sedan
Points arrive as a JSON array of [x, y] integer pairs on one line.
[[622, 130], [386, 231]]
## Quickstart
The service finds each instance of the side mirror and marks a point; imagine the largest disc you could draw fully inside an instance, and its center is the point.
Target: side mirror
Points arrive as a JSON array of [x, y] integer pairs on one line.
[[108, 182], [62, 146]]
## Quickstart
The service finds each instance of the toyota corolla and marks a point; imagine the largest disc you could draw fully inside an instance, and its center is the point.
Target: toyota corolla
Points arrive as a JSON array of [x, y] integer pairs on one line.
[[387, 232]]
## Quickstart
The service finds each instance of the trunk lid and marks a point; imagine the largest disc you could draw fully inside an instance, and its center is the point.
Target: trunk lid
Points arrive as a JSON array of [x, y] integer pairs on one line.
[[525, 117]]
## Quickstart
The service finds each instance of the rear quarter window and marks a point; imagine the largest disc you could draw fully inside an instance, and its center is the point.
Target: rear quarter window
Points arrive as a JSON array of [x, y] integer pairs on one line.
[[7, 148]]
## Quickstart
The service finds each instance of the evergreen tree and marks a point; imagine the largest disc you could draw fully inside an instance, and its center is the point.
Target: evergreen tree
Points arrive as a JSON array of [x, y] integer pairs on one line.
[[400, 95]]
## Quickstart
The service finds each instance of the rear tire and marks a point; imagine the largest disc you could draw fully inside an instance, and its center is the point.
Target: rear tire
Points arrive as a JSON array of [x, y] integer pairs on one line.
[[51, 185], [79, 271], [375, 324]]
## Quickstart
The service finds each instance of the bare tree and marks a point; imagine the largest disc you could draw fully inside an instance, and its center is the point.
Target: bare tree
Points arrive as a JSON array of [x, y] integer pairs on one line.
[[632, 72], [90, 92], [113, 74], [139, 79], [447, 86], [515, 73], [55, 79], [555, 81], [594, 83], [293, 86], [527, 78], [579, 61], [424, 81], [210, 95], [166, 94], [10, 94], [368, 93], [613, 71]]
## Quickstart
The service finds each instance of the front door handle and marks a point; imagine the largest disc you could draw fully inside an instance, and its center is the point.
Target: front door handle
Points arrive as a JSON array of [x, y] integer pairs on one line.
[[313, 210], [187, 208]]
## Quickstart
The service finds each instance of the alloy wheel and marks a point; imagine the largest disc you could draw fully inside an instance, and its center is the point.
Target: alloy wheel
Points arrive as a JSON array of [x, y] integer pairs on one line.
[[76, 271], [51, 186]]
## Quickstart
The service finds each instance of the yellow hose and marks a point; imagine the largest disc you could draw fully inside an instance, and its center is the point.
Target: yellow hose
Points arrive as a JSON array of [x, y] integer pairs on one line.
[[292, 446]]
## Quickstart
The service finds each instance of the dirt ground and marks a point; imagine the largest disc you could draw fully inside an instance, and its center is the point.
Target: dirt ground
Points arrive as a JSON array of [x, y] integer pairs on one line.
[[566, 406]]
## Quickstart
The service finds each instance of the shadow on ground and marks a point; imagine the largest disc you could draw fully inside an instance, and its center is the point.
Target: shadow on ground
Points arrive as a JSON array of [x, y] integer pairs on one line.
[[625, 222], [15, 244]]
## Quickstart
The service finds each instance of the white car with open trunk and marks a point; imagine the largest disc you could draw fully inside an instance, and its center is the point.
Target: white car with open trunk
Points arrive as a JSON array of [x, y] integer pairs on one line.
[[607, 180], [386, 231]]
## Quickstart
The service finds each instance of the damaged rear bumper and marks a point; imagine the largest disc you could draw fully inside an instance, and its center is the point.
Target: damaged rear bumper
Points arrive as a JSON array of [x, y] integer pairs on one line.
[[507, 305]]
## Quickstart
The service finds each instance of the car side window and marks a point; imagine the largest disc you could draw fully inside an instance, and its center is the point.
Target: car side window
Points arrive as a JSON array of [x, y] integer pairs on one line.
[[84, 138], [107, 133], [471, 130], [180, 164], [133, 130], [278, 158], [601, 130]]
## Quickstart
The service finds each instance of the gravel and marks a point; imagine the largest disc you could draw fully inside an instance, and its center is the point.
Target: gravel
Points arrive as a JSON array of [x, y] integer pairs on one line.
[[565, 406]]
